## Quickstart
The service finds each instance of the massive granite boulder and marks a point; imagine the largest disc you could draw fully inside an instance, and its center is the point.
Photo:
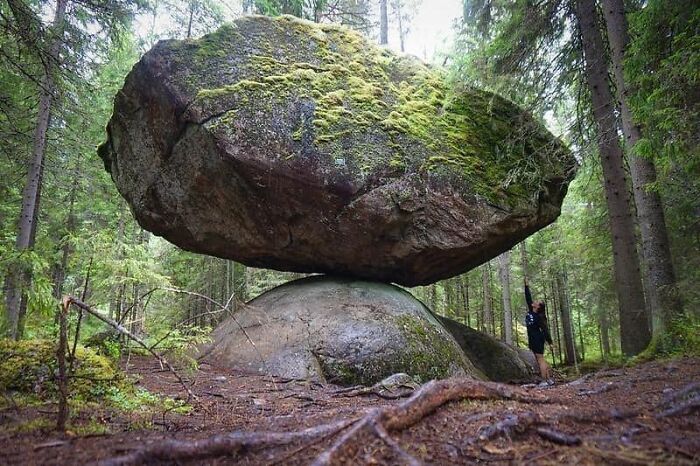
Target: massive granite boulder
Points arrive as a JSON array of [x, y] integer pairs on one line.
[[497, 360], [337, 330], [283, 144]]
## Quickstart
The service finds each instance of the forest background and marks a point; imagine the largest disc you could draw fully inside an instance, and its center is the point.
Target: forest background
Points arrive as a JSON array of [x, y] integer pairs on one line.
[[64, 229]]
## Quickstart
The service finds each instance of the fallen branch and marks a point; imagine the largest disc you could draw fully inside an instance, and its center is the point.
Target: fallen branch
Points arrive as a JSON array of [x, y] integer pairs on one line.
[[511, 424], [395, 386], [68, 300]]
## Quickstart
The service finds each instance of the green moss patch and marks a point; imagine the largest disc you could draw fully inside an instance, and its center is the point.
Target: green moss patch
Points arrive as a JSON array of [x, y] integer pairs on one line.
[[30, 367], [428, 355], [374, 109]]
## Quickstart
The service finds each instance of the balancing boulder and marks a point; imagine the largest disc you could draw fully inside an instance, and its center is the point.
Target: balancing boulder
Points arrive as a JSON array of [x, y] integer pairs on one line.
[[284, 144]]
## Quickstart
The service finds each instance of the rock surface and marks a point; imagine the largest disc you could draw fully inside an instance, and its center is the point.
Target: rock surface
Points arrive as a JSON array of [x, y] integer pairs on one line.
[[495, 359], [337, 330], [282, 144]]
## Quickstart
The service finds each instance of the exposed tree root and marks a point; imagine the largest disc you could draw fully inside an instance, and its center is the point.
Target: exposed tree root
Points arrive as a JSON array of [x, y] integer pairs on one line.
[[424, 401], [560, 438], [690, 405], [229, 444], [378, 422]]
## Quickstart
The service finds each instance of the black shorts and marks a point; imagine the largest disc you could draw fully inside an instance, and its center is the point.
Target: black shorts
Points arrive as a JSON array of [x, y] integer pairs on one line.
[[536, 345]]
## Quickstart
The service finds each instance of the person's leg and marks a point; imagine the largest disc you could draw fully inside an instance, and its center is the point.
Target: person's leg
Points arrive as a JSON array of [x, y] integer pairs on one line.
[[547, 369], [542, 364]]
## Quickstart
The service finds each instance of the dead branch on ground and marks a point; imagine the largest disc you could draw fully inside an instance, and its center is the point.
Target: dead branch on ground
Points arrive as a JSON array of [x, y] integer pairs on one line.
[[68, 300], [395, 386]]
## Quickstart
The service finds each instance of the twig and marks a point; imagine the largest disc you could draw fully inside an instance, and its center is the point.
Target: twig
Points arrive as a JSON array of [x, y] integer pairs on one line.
[[70, 300]]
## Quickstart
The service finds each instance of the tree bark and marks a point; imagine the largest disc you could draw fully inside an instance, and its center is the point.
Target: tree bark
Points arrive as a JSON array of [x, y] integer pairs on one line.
[[504, 272], [665, 300], [383, 23], [465, 291], [402, 33], [19, 278], [555, 320], [569, 352], [634, 329], [487, 320], [60, 269], [604, 330]]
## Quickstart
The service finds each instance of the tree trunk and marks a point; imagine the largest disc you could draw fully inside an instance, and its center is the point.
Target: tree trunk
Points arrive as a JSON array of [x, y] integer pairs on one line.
[[665, 300], [383, 23], [488, 320], [556, 335], [193, 8], [634, 330], [604, 330], [402, 32], [465, 291], [504, 272], [569, 351], [19, 278], [60, 268]]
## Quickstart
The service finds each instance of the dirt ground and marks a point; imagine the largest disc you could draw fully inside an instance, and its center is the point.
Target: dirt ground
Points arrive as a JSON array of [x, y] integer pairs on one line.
[[647, 414]]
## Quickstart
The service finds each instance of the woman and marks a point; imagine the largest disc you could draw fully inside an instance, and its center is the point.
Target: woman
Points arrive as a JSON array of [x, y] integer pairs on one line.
[[538, 334]]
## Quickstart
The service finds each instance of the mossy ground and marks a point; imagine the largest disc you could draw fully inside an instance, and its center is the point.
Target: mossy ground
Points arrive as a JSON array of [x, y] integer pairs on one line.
[[28, 372], [371, 109]]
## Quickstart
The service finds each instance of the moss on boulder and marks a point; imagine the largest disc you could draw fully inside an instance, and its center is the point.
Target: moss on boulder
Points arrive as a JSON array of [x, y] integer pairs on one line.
[[269, 138]]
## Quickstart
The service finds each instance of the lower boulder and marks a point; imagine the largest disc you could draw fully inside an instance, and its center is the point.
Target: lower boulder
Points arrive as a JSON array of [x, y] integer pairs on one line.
[[498, 361], [337, 330]]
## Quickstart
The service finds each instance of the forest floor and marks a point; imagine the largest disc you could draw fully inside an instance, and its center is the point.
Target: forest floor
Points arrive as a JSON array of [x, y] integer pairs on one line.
[[646, 414]]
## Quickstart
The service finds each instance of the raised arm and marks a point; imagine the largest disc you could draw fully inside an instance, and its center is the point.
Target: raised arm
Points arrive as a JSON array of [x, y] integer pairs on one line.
[[528, 297]]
